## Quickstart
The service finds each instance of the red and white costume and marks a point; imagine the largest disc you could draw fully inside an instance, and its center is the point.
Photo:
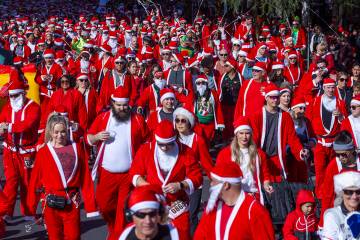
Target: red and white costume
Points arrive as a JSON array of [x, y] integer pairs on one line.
[[150, 98]]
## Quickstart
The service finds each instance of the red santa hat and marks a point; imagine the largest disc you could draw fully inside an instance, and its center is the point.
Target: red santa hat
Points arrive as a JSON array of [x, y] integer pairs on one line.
[[242, 123], [271, 90], [232, 62], [60, 54], [165, 50], [201, 78], [89, 44], [292, 54], [166, 93], [185, 112], [242, 53], [60, 109], [82, 76], [355, 100], [265, 28], [329, 82], [348, 179], [164, 132], [158, 75], [16, 87], [58, 42], [106, 48], [285, 90], [277, 65], [18, 60], [227, 172], [121, 94], [261, 66], [144, 197], [179, 58], [298, 102], [48, 53]]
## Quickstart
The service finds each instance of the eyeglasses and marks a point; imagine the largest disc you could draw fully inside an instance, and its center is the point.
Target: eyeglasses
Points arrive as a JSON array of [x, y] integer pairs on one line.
[[178, 120], [343, 155], [201, 83], [223, 55], [342, 79], [14, 95], [65, 81], [142, 215], [351, 192]]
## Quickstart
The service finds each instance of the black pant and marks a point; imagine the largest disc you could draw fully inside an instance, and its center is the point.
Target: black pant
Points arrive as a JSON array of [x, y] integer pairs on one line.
[[194, 207]]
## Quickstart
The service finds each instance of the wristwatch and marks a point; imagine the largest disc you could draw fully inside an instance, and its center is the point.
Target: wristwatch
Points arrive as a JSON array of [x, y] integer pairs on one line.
[[182, 185]]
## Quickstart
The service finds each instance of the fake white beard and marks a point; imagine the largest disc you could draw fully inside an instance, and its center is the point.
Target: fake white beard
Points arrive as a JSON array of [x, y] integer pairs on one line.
[[329, 103], [167, 159], [71, 35], [101, 54], [84, 64], [217, 42], [17, 103], [160, 83], [112, 28], [201, 89], [59, 63], [93, 34], [112, 43], [105, 37], [214, 196]]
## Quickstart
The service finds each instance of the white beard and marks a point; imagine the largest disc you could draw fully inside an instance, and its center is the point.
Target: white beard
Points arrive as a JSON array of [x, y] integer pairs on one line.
[[84, 65], [93, 34], [329, 103], [214, 196], [112, 43], [168, 159], [201, 89], [104, 37], [160, 83], [59, 63], [17, 103], [101, 54]]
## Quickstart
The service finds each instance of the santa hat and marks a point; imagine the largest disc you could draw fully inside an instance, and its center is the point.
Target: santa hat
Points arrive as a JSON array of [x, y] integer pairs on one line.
[[179, 58], [82, 76], [121, 94], [165, 50], [329, 82], [48, 53], [292, 54], [271, 90], [143, 197], [298, 102], [261, 66], [59, 55], [232, 62], [236, 41], [227, 172], [265, 28], [285, 90], [242, 123], [185, 112], [58, 42], [60, 109], [349, 179], [16, 87], [201, 77], [106, 48], [18, 60], [277, 65], [164, 132], [242, 53], [166, 93], [355, 100], [158, 75]]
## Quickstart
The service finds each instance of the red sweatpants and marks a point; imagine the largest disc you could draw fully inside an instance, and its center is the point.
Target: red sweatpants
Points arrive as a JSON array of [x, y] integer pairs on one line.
[[228, 112], [63, 223], [111, 192], [182, 223], [208, 130], [15, 174], [322, 157]]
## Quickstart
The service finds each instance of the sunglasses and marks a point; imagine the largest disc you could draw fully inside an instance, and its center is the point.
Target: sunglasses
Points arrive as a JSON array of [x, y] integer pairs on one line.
[[301, 108], [292, 58], [274, 97], [201, 83], [65, 81], [130, 59], [166, 54], [343, 155], [351, 192], [223, 55], [354, 107], [166, 144], [14, 95], [236, 45], [83, 80], [256, 70], [342, 79], [142, 215], [177, 120], [117, 63]]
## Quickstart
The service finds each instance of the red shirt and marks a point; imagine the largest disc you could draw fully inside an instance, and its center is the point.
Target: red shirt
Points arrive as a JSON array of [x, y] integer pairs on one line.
[[225, 214], [66, 156]]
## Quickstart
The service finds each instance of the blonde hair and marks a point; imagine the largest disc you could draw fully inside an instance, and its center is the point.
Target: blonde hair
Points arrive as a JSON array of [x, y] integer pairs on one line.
[[53, 119], [237, 156]]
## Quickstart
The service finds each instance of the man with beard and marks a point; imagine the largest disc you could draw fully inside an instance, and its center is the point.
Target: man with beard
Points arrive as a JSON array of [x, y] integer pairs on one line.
[[118, 135], [19, 122], [207, 108], [230, 213]]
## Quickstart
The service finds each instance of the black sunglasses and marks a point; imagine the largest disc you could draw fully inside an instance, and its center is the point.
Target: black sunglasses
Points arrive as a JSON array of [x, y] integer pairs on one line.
[[351, 192], [142, 215], [223, 55], [344, 155], [354, 107], [177, 120], [166, 144], [201, 83], [83, 80], [14, 95], [117, 63], [342, 79], [256, 70]]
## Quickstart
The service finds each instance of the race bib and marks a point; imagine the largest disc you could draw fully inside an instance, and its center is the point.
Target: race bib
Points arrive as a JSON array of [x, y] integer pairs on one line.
[[177, 208]]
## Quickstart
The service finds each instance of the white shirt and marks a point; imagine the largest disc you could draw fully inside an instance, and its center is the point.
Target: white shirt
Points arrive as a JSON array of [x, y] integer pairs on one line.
[[335, 227], [356, 129], [117, 153], [248, 181], [187, 139]]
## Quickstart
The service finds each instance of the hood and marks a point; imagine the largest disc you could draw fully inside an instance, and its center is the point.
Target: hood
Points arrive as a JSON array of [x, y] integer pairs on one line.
[[304, 196]]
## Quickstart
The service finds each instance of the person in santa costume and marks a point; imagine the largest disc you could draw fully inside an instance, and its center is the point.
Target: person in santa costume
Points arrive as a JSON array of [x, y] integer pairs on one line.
[[230, 212], [352, 122], [336, 224], [243, 151], [104, 64], [326, 114], [355, 76], [165, 61], [229, 86], [21, 49], [207, 68], [146, 210], [273, 132], [345, 159], [245, 31], [19, 121], [207, 108], [188, 134], [167, 100], [223, 57], [251, 95], [115, 155], [60, 172], [302, 223], [171, 165], [293, 71]]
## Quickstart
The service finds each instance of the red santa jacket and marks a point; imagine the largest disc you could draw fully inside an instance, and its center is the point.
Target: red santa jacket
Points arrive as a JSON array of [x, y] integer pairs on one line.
[[241, 30], [329, 58], [296, 223], [251, 97], [248, 220], [55, 72], [48, 173], [348, 125], [149, 98], [153, 120], [24, 124], [26, 52], [185, 168], [101, 64], [315, 114], [187, 85], [173, 232], [139, 134], [293, 73], [90, 100], [286, 136], [301, 39]]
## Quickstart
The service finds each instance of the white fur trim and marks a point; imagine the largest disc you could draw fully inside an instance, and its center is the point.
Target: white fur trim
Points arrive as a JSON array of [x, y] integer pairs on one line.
[[186, 113], [167, 95], [119, 99], [292, 55], [134, 179], [92, 214], [191, 186], [15, 91], [242, 127], [165, 140], [277, 66], [272, 93], [355, 102], [48, 55], [82, 77], [201, 79], [242, 53], [226, 179], [258, 68], [298, 105], [144, 205]]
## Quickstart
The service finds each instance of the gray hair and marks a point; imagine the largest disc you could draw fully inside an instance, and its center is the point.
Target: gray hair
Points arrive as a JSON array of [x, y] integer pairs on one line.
[[339, 199], [53, 119]]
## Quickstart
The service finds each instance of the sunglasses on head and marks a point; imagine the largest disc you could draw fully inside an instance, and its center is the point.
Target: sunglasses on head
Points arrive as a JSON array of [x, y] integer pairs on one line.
[[182, 120], [351, 192], [354, 107], [142, 215]]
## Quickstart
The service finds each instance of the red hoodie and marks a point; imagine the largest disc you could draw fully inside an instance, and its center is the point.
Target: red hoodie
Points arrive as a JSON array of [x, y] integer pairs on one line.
[[297, 224]]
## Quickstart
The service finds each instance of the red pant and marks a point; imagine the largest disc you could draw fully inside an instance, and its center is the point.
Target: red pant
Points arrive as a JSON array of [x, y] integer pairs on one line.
[[182, 223], [322, 157], [15, 174], [64, 223], [228, 112], [208, 130], [111, 192]]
